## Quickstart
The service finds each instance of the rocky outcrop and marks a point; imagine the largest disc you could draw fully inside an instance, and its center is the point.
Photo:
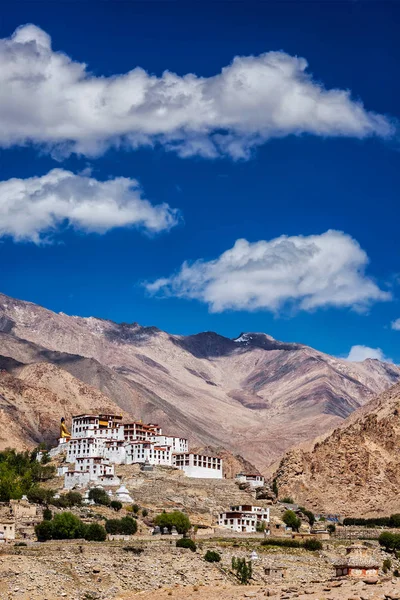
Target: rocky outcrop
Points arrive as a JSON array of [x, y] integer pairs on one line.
[[355, 471]]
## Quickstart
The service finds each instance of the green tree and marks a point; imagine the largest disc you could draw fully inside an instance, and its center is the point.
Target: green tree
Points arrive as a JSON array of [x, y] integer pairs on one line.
[[99, 496], [135, 508], [173, 519], [390, 541], [95, 533], [261, 526], [331, 528], [124, 526], [291, 520], [47, 514], [73, 498], [44, 531], [145, 512], [40, 495], [244, 569], [67, 526], [116, 505]]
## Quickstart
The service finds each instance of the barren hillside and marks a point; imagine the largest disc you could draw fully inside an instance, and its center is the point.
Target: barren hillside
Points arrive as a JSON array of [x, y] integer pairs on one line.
[[253, 395], [356, 470]]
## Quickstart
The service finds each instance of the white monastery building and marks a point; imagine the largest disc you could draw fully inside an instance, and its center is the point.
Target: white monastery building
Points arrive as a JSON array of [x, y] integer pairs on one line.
[[198, 465], [98, 442], [244, 518]]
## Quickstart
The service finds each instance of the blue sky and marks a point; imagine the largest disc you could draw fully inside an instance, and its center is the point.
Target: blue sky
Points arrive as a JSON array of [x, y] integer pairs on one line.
[[330, 166]]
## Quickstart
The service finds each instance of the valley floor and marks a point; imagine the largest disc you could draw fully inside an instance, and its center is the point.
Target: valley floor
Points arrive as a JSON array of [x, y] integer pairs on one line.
[[156, 569]]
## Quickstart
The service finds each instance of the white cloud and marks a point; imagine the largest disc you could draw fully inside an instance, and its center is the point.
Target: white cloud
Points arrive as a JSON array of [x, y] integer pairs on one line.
[[47, 98], [32, 208], [360, 353], [396, 325], [306, 272]]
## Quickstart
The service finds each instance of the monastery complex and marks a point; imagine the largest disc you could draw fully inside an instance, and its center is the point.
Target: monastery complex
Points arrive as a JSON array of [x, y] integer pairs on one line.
[[99, 442]]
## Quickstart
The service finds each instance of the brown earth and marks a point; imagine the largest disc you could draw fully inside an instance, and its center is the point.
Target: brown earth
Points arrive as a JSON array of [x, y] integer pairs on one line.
[[355, 471], [254, 396], [156, 569]]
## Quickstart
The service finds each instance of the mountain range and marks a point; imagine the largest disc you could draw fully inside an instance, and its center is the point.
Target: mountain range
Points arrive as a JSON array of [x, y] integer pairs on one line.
[[251, 395]]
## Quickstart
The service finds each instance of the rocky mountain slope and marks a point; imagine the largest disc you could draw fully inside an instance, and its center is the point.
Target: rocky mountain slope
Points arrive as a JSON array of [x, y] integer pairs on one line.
[[253, 395], [355, 471], [32, 400]]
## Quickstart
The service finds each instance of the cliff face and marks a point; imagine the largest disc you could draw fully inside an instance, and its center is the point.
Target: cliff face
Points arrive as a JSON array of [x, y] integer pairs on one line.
[[355, 471], [253, 395]]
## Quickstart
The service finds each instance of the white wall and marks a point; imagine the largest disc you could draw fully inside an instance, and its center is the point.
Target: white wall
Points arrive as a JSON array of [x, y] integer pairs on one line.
[[202, 472]]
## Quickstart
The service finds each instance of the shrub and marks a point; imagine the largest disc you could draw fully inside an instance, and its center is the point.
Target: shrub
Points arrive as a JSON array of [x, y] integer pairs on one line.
[[135, 508], [310, 515], [67, 526], [134, 549], [211, 556], [312, 544], [44, 531], [47, 514], [387, 565], [331, 528], [145, 512], [116, 505], [244, 570], [95, 533], [99, 496], [287, 500], [173, 519], [396, 573], [291, 520], [186, 543]]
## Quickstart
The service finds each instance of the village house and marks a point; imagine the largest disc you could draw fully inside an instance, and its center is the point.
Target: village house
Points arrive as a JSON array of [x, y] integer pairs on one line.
[[244, 518], [275, 571], [358, 562], [254, 480]]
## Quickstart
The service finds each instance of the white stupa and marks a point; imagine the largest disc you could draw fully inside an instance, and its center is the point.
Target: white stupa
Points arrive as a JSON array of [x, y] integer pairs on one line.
[[123, 495]]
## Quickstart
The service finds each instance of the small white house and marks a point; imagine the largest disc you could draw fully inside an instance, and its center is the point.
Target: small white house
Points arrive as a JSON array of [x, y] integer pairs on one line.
[[198, 465], [7, 529], [244, 518], [254, 480]]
